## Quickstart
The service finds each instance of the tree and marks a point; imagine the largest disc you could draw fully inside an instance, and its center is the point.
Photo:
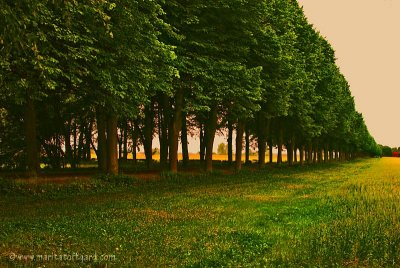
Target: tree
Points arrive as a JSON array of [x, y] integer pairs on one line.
[[74, 75], [39, 55], [222, 149], [214, 71]]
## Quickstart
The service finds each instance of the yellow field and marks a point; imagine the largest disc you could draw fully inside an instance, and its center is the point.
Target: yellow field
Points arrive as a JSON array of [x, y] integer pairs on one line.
[[193, 156]]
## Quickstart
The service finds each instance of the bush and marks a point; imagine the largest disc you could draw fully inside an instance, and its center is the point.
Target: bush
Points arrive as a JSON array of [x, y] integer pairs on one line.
[[386, 151]]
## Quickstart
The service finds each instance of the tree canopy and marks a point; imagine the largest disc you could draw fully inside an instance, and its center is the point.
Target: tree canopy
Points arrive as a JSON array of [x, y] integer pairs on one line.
[[107, 76]]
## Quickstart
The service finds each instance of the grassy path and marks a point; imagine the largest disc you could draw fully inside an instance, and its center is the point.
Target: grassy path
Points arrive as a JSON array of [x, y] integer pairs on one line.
[[337, 215]]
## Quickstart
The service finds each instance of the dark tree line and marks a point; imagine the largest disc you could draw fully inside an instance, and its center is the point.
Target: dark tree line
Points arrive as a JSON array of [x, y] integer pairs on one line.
[[110, 75]]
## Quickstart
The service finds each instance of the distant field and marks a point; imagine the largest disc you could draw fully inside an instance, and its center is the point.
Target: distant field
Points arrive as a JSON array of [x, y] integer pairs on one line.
[[193, 156], [335, 215]]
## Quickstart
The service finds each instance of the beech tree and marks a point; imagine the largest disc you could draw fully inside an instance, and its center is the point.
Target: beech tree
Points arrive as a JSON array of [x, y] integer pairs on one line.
[[39, 55], [108, 75], [209, 61]]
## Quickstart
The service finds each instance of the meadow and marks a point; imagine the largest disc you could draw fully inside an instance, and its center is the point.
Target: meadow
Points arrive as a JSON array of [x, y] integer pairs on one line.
[[328, 215]]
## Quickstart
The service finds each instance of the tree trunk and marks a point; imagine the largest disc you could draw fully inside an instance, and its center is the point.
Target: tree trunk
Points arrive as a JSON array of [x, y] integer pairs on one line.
[[74, 152], [309, 153], [120, 142], [301, 156], [305, 154], [81, 145], [261, 151], [67, 138], [176, 125], [88, 140], [58, 152], [319, 156], [32, 152], [239, 145], [315, 153], [210, 128], [280, 145], [326, 154], [148, 133], [112, 145], [202, 143], [230, 141], [289, 151], [163, 116], [262, 147], [135, 137], [271, 152], [101, 142], [261, 136], [125, 141], [247, 148], [184, 141]]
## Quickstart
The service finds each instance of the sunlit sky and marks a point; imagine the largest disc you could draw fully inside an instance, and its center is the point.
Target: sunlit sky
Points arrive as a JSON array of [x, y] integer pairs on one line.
[[366, 37]]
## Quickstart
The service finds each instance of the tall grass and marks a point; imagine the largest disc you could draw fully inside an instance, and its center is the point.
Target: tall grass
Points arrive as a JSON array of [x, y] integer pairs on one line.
[[364, 225], [335, 215]]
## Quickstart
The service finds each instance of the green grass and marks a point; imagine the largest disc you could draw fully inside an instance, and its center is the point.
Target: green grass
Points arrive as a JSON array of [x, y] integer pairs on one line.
[[336, 215]]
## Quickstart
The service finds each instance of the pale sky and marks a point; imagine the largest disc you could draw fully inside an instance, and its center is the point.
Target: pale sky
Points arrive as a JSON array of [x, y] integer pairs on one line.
[[366, 37]]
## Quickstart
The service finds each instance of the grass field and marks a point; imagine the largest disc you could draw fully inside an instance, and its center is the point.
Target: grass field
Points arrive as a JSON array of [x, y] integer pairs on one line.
[[335, 215]]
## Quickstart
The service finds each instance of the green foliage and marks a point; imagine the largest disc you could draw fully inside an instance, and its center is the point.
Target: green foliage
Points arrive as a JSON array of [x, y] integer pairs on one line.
[[222, 148], [386, 151], [233, 60], [11, 140]]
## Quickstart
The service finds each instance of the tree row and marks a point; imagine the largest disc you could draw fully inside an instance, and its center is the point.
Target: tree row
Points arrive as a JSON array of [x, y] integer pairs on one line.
[[109, 76]]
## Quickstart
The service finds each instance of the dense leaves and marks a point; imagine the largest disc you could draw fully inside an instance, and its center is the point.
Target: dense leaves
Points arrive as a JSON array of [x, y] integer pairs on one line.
[[78, 77]]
